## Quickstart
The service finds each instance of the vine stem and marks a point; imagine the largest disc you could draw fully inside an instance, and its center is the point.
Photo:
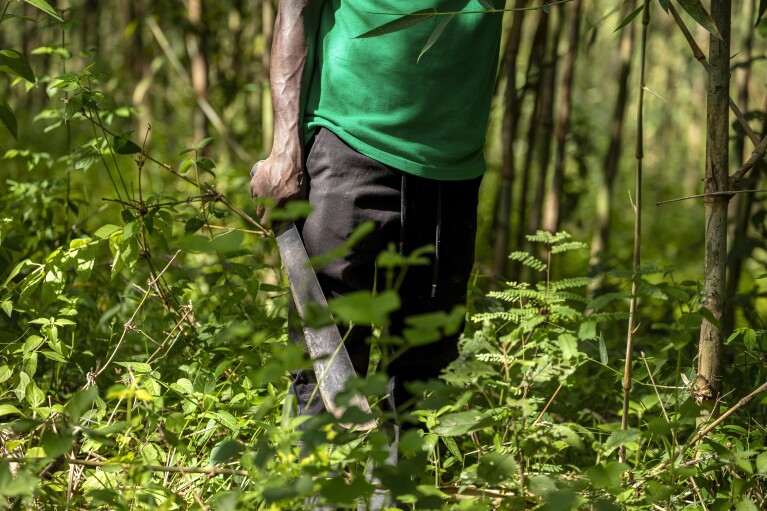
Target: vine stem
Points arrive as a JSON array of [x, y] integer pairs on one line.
[[637, 229], [154, 468]]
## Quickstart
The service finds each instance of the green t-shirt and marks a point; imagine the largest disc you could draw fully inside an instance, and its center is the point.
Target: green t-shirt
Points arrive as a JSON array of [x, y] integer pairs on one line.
[[426, 117]]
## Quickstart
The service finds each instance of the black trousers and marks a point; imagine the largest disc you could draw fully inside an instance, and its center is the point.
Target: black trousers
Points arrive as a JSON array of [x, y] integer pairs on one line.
[[347, 188]]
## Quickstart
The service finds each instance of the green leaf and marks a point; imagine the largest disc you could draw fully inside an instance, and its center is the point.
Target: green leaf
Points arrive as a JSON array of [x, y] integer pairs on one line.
[[226, 419], [225, 451], [496, 468], [14, 63], [8, 118], [56, 444], [621, 437], [435, 35], [363, 309], [5, 373], [628, 19], [761, 463], [136, 367], [699, 13], [602, 351], [81, 401], [124, 145], [45, 7], [746, 505], [206, 165], [487, 4], [406, 21], [203, 143], [461, 423], [7, 307], [9, 410], [760, 12], [105, 231], [606, 475], [73, 106], [193, 225]]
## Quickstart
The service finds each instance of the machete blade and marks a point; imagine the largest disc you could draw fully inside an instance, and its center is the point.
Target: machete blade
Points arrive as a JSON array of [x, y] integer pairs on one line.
[[331, 362]]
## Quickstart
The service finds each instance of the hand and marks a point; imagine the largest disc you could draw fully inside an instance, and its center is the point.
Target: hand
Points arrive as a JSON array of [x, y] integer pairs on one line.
[[281, 179]]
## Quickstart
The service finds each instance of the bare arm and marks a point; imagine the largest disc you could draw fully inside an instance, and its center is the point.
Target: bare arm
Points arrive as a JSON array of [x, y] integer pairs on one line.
[[281, 175]]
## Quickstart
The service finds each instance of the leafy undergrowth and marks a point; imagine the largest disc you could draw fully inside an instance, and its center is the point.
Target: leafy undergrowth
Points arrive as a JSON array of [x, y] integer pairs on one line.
[[144, 362]]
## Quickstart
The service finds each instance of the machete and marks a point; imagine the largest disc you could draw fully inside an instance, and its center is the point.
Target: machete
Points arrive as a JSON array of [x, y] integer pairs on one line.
[[331, 362]]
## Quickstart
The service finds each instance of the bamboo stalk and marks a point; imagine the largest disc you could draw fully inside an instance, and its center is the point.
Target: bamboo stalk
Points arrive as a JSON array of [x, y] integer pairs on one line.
[[639, 155]]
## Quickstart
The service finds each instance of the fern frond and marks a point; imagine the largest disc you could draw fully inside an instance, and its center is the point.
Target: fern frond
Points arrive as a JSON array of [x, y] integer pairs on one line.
[[511, 295], [528, 260], [567, 247], [495, 357], [571, 297], [570, 283], [490, 316]]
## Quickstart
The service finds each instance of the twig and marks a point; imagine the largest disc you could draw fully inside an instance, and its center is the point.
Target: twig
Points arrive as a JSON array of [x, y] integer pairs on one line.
[[727, 193], [707, 429], [551, 399], [652, 380], [213, 471], [758, 154]]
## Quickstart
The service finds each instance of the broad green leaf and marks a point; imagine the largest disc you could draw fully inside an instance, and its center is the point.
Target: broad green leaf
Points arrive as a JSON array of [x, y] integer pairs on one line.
[[621, 437], [203, 143], [34, 395], [461, 423], [628, 19], [81, 401], [7, 307], [124, 145], [606, 475], [363, 309], [226, 419], [699, 13], [56, 444], [45, 7], [746, 505], [8, 118], [402, 23], [9, 410], [105, 231], [761, 463], [225, 451], [13, 62], [435, 35], [5, 373], [496, 468], [136, 367]]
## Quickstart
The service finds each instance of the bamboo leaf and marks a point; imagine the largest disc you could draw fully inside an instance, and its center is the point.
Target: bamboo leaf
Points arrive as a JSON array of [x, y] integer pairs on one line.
[[8, 119], [664, 5], [45, 7], [760, 12], [487, 4], [699, 13], [435, 35], [406, 21], [13, 62], [628, 19]]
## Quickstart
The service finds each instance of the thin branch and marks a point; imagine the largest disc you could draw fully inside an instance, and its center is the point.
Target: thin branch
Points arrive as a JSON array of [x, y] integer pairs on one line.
[[698, 53], [758, 154], [726, 194], [213, 471]]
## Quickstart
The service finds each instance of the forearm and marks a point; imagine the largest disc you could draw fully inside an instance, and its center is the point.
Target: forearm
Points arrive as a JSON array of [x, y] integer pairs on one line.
[[289, 55]]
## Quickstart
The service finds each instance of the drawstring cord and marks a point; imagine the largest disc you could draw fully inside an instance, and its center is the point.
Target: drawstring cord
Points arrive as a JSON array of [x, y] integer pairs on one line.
[[437, 241]]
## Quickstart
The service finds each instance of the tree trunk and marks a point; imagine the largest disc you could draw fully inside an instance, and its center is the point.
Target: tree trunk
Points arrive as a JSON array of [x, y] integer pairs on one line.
[[532, 82], [600, 243], [554, 195], [196, 46], [543, 146], [708, 382], [508, 134]]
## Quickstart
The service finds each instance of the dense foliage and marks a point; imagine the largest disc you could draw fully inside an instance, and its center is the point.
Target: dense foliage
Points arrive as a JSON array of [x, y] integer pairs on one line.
[[144, 358]]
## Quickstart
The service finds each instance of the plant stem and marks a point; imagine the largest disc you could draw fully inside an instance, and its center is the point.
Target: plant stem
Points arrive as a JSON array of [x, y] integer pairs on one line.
[[637, 229]]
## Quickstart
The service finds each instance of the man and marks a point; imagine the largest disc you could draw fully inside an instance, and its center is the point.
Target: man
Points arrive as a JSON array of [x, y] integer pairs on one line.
[[374, 128]]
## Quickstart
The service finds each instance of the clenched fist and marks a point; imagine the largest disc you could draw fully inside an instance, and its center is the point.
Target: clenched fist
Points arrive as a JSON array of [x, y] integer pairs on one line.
[[278, 178]]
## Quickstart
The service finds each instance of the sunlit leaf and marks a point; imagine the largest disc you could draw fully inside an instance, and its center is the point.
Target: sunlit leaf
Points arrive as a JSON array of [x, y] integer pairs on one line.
[[45, 7], [13, 62], [406, 21], [699, 13], [761, 11]]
